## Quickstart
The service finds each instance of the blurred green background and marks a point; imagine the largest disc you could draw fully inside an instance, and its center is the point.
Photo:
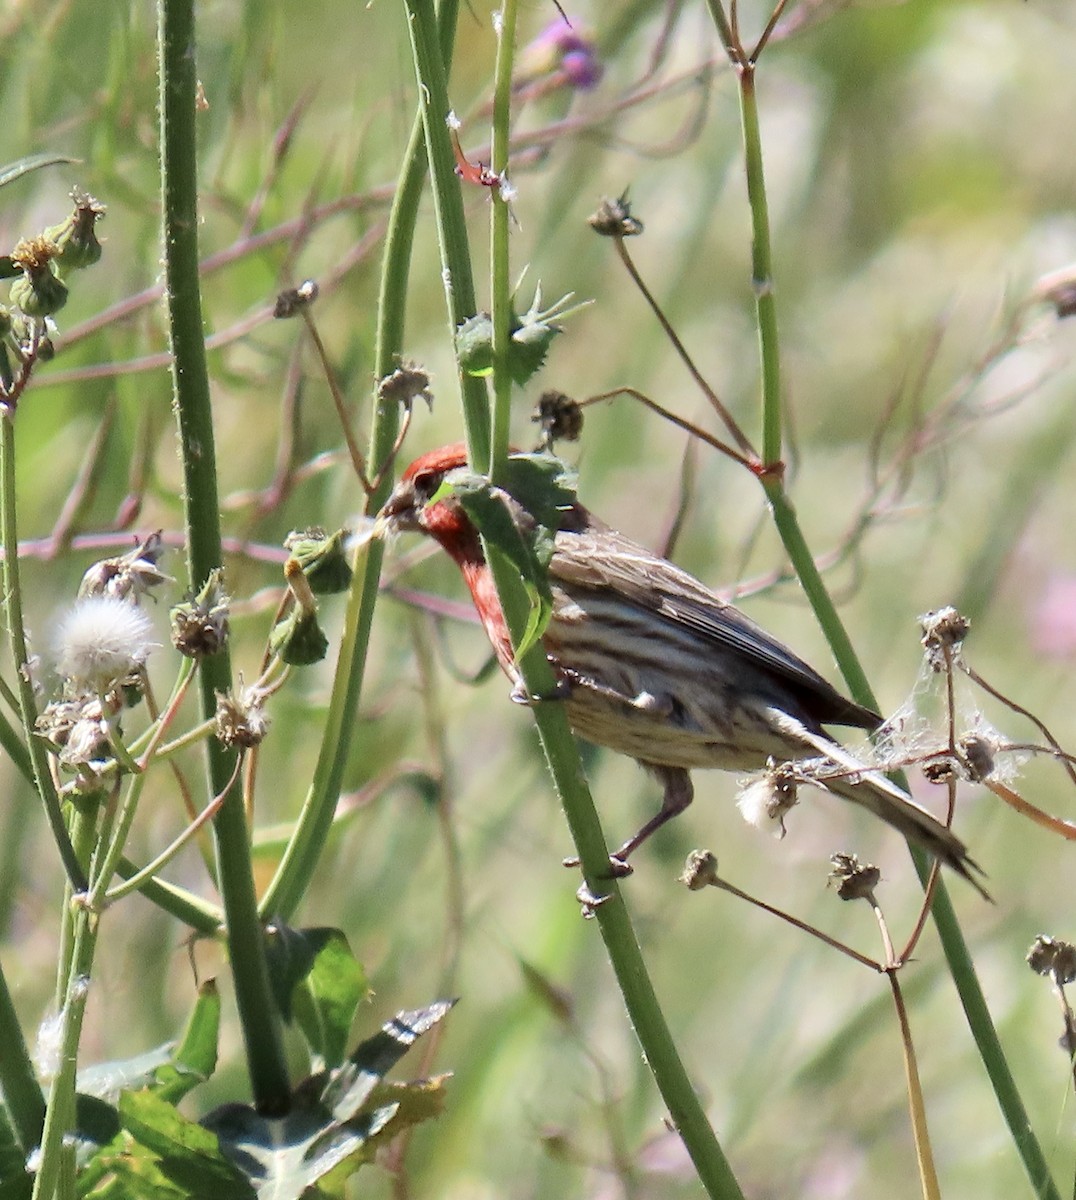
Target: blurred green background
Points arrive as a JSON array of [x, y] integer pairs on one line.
[[921, 181]]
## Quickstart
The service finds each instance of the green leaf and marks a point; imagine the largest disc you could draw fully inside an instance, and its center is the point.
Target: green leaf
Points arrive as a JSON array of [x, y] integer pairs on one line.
[[32, 162], [188, 1154], [326, 999], [338, 1119], [518, 524], [318, 982]]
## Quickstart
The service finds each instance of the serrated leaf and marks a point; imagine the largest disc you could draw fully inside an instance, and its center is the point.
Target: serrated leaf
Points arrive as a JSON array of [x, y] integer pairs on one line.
[[474, 345], [32, 162]]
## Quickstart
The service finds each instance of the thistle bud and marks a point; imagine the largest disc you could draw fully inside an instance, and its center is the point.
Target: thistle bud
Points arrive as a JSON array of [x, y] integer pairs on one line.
[[76, 237], [298, 639], [39, 291], [322, 559]]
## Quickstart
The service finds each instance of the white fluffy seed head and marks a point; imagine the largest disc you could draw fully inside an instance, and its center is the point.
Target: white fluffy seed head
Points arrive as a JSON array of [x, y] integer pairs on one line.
[[101, 640], [764, 800]]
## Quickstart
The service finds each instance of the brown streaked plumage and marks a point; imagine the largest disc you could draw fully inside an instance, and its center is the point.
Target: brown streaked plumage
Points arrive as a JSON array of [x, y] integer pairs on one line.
[[656, 666]]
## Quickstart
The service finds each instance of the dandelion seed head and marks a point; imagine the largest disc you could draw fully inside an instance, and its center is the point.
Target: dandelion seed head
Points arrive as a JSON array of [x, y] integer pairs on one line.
[[101, 640]]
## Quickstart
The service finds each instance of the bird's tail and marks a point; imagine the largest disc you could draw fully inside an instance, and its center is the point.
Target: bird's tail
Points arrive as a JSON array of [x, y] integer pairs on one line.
[[874, 792]]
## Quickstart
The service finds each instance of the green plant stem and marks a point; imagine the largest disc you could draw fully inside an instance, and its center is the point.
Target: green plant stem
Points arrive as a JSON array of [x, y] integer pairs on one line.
[[22, 1096], [762, 271], [42, 776], [448, 208], [500, 283], [558, 743], [641, 1001], [304, 847], [949, 932], [178, 82], [60, 1112], [199, 914]]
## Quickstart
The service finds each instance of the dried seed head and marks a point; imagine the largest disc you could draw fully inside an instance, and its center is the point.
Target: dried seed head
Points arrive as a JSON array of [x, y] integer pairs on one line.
[[613, 218], [943, 630], [242, 721], [77, 729], [405, 385], [130, 576], [1054, 958], [977, 756], [559, 417], [854, 880], [700, 870], [292, 300], [200, 625]]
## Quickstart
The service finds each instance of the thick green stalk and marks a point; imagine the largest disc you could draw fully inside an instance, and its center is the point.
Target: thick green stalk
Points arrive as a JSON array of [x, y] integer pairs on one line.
[[949, 932], [304, 847], [448, 208], [558, 743], [500, 283], [178, 82]]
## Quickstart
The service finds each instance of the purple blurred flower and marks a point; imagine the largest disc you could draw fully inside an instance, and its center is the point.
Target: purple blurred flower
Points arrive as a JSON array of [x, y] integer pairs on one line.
[[571, 52], [1053, 618]]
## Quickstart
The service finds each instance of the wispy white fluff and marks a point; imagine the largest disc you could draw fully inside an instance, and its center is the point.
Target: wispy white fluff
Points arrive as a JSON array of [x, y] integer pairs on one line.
[[764, 800], [49, 1046], [101, 640]]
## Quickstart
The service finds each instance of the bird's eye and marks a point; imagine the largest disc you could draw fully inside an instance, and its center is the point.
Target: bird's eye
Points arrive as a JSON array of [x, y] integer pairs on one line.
[[425, 484]]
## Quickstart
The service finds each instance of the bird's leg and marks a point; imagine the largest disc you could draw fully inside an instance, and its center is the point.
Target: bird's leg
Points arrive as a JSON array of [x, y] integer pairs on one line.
[[679, 792]]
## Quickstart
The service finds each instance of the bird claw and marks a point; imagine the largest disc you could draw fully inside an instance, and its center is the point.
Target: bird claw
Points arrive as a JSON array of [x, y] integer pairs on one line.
[[588, 901], [618, 868]]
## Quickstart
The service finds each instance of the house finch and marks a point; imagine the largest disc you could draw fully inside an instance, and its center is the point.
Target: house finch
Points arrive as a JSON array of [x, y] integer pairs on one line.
[[651, 663]]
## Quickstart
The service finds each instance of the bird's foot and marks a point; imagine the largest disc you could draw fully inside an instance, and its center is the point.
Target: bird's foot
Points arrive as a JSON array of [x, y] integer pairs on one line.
[[618, 868], [561, 690]]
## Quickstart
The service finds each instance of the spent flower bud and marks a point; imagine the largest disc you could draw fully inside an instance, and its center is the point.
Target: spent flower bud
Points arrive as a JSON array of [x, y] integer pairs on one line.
[[322, 559], [405, 385], [1054, 958], [613, 218], [128, 576], [854, 880], [944, 630], [241, 720], [76, 237], [38, 291], [559, 417], [700, 870], [200, 625]]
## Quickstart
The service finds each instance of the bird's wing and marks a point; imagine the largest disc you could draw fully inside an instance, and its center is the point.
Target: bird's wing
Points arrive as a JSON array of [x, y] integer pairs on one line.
[[605, 559]]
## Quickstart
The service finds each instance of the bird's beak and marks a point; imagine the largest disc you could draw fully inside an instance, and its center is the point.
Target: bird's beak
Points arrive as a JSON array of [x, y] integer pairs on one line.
[[401, 512]]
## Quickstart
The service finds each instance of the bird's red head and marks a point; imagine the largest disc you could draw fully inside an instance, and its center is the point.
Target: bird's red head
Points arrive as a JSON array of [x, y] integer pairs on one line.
[[409, 507]]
